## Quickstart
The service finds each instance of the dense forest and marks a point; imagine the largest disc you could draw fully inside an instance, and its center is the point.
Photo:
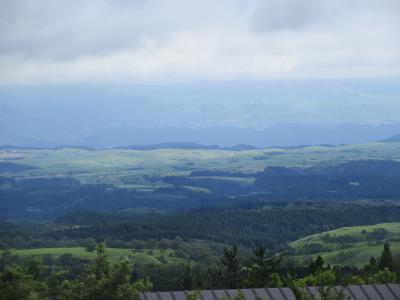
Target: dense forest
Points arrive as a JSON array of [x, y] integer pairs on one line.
[[249, 224]]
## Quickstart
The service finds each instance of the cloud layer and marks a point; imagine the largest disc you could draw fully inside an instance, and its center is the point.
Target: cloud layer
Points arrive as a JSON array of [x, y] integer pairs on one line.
[[71, 41]]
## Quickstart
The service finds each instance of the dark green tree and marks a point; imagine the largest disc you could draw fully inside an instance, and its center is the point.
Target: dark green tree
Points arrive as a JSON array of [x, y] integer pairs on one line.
[[386, 260], [372, 266], [262, 267], [188, 282], [102, 282], [34, 268], [100, 265], [213, 277], [231, 268], [316, 265]]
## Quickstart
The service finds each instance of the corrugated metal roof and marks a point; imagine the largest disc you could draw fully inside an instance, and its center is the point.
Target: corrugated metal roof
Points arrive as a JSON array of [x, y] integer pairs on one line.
[[353, 292]]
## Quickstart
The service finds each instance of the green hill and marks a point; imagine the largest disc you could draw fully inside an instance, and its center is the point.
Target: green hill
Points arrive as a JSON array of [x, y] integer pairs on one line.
[[348, 245], [138, 256]]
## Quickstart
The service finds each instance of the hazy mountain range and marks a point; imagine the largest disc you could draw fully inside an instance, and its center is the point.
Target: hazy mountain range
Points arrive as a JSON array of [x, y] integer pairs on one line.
[[259, 113]]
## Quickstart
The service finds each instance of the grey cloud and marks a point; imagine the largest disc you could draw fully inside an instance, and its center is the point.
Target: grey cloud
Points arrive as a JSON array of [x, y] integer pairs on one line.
[[66, 28], [146, 40], [273, 15], [284, 14], [55, 29]]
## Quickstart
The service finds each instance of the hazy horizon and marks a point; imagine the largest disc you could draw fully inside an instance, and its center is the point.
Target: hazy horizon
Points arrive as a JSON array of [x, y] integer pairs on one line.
[[260, 113], [116, 73]]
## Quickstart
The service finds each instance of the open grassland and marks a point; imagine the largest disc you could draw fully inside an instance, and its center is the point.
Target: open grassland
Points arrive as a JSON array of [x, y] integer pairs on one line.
[[136, 169], [141, 257], [349, 245]]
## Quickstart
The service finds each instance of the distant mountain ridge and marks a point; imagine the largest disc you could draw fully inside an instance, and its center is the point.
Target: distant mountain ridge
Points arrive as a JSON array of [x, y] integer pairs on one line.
[[177, 145], [285, 135], [238, 147], [393, 139], [169, 146]]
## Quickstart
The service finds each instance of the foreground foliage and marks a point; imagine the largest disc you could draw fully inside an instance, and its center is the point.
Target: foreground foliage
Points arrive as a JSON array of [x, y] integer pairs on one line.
[[98, 281]]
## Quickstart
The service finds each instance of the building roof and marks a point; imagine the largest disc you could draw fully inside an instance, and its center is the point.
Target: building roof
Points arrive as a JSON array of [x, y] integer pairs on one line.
[[353, 292]]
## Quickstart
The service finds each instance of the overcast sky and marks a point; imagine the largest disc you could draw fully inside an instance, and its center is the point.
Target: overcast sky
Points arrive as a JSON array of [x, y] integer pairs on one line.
[[136, 41]]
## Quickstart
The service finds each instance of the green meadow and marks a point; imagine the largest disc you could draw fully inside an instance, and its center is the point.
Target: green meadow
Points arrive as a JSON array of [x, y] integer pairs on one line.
[[138, 256]]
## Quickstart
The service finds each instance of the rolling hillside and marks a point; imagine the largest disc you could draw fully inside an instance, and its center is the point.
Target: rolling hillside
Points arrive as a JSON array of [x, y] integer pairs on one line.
[[348, 245]]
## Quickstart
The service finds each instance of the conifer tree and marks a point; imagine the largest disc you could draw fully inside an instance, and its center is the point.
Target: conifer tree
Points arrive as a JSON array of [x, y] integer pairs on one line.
[[386, 260], [316, 265], [100, 265], [262, 268], [372, 266], [231, 266]]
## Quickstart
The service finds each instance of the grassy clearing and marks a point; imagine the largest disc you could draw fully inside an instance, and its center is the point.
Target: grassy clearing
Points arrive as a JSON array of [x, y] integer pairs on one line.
[[349, 245], [141, 257]]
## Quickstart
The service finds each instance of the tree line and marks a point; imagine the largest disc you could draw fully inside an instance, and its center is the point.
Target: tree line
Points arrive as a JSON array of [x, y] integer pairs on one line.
[[70, 278]]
